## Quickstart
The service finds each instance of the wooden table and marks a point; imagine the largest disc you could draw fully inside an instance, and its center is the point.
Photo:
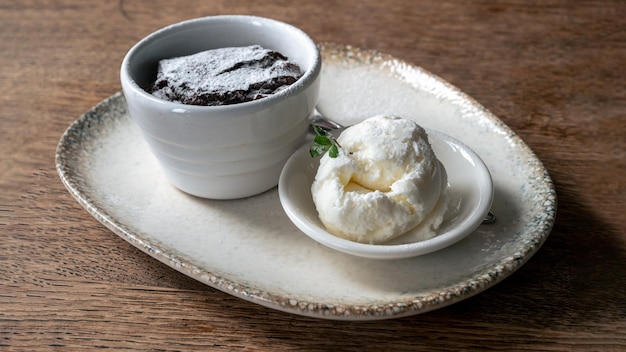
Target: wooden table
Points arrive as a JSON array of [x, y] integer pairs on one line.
[[555, 72]]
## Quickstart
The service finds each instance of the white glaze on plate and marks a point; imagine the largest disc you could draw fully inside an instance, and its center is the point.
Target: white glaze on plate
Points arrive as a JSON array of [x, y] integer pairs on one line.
[[250, 249]]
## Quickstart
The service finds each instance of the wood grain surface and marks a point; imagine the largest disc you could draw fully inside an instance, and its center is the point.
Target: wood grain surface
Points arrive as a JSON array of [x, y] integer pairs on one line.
[[554, 71]]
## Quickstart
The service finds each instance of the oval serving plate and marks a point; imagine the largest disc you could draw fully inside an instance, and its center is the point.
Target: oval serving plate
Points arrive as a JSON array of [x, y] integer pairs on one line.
[[250, 249]]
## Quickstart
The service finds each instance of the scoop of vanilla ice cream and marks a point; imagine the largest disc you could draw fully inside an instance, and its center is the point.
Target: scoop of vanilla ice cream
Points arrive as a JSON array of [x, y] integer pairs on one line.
[[385, 181]]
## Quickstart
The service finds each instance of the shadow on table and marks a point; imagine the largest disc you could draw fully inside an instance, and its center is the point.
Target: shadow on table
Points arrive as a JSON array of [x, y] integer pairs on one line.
[[577, 277], [576, 280]]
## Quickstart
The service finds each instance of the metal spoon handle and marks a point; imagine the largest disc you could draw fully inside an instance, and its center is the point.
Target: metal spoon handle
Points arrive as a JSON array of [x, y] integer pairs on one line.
[[320, 120], [490, 218]]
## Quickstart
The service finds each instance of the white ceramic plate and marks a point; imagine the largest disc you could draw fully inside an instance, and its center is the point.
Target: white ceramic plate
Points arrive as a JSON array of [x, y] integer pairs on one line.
[[470, 195], [249, 248]]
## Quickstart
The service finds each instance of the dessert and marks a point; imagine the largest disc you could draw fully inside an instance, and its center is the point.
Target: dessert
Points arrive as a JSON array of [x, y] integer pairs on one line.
[[384, 181], [224, 76]]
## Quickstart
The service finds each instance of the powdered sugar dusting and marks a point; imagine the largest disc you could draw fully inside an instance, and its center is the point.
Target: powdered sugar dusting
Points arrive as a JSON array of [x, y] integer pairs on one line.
[[224, 76]]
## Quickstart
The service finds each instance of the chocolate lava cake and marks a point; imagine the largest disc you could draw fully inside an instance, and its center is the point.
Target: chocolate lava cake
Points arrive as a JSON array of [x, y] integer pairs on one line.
[[224, 76]]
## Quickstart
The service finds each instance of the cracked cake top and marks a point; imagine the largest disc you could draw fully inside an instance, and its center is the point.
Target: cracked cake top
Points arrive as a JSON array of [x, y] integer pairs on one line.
[[224, 76]]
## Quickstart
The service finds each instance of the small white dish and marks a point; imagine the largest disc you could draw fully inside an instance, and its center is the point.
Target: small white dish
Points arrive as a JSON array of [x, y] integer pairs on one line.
[[471, 194]]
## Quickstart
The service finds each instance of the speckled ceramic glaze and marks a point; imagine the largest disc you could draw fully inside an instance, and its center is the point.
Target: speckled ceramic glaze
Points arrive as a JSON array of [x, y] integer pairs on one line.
[[250, 249]]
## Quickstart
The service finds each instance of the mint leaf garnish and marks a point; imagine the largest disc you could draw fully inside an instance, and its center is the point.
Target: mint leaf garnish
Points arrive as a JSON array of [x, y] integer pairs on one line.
[[324, 142]]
